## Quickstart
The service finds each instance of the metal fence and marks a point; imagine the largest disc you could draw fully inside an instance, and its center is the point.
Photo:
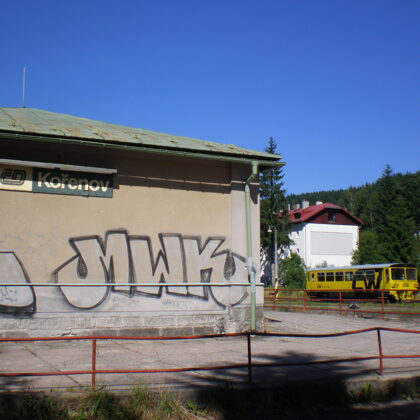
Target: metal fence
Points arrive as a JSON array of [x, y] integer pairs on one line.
[[298, 300], [93, 371]]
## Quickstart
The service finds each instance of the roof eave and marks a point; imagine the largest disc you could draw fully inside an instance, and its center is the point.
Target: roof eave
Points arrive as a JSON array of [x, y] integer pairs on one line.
[[262, 163]]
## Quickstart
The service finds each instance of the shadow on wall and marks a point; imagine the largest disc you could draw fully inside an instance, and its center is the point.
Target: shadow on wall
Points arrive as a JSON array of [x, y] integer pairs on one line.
[[176, 176]]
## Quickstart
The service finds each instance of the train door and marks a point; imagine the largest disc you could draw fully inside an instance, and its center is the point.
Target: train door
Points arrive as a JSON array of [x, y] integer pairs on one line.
[[359, 280], [371, 280]]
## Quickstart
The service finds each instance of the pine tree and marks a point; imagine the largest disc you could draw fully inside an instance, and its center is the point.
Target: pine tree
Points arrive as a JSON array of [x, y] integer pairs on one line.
[[273, 207], [393, 225], [409, 185], [368, 250]]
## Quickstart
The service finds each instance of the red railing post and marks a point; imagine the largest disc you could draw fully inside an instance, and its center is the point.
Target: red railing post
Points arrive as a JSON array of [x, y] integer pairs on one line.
[[340, 296], [381, 362], [383, 303], [248, 336], [304, 300], [93, 363]]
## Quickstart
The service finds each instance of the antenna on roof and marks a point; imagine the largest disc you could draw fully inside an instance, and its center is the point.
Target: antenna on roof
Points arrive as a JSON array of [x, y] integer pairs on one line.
[[23, 87]]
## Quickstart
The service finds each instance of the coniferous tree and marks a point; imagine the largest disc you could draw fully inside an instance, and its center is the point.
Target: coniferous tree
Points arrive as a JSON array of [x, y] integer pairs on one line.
[[393, 225], [368, 251], [409, 185], [369, 203], [273, 207]]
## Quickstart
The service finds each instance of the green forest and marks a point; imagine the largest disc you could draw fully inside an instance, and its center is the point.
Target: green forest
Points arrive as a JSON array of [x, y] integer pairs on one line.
[[389, 209]]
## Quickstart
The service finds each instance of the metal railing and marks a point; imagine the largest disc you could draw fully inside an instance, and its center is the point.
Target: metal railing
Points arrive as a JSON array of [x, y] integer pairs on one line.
[[298, 300], [249, 364]]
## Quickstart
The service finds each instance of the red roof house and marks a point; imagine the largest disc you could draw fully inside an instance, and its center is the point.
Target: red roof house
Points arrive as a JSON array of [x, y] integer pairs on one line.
[[324, 233], [324, 213]]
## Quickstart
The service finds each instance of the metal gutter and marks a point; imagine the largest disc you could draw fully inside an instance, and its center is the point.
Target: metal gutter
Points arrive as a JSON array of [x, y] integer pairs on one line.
[[143, 149], [248, 220], [250, 266]]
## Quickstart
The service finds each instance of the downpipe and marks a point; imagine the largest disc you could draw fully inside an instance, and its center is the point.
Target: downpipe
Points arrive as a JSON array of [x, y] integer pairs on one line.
[[250, 266]]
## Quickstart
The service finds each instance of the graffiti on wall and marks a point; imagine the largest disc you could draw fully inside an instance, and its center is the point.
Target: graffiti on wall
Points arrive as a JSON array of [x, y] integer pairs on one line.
[[15, 299], [120, 259]]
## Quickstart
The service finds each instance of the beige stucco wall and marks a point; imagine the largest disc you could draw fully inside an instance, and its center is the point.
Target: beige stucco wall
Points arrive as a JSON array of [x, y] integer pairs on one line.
[[187, 201]]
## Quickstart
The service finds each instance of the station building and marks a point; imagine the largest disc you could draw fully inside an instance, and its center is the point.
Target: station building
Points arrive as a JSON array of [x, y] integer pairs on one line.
[[109, 229]]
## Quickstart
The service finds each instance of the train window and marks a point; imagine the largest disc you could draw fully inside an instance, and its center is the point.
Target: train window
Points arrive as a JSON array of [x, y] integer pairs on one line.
[[411, 274], [360, 275], [321, 276], [312, 276], [370, 276], [398, 274], [349, 276], [339, 275], [330, 276]]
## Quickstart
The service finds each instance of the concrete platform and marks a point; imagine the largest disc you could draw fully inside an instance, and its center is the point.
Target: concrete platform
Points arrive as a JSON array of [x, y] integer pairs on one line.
[[160, 354]]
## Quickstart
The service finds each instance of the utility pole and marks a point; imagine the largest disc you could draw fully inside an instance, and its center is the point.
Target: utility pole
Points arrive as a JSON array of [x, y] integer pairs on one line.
[[276, 269]]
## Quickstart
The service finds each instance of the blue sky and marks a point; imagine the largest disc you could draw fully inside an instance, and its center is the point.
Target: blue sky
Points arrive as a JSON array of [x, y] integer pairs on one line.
[[336, 83]]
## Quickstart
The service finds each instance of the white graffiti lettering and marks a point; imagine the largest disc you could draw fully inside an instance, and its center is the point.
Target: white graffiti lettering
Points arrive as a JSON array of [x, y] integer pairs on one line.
[[130, 259], [19, 298]]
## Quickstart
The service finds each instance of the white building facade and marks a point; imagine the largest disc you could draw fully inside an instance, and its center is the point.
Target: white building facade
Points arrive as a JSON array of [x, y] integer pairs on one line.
[[324, 234]]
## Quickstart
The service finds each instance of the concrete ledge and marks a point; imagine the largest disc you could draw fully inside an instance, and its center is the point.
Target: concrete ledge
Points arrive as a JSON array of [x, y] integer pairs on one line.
[[135, 323]]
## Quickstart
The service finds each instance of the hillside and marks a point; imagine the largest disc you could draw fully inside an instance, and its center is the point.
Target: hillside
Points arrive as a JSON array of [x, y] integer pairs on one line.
[[362, 201]]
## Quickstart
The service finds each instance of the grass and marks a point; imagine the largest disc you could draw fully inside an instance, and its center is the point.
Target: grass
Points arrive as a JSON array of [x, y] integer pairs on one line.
[[100, 405], [31, 407], [225, 402], [140, 403]]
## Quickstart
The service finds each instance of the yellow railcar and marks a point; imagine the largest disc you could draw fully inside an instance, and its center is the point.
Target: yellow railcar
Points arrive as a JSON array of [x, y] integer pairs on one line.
[[397, 281]]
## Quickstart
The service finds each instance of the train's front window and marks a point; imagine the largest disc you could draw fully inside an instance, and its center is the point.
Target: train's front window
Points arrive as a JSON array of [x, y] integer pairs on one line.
[[398, 274], [411, 274]]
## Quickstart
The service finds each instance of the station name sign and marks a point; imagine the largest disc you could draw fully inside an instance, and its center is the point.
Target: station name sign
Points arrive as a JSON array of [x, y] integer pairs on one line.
[[55, 181]]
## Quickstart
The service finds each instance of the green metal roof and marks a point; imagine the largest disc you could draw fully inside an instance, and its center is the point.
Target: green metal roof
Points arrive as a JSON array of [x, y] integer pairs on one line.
[[30, 121]]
